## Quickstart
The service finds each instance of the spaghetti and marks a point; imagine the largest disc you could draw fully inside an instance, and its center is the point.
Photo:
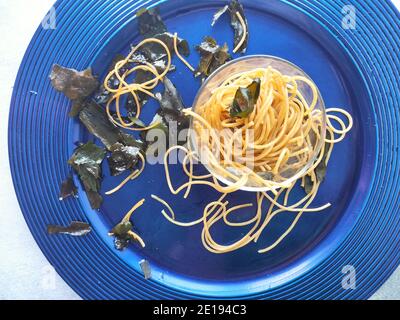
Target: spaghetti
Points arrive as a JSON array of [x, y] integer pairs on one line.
[[287, 140], [126, 219], [125, 87], [243, 23], [288, 137]]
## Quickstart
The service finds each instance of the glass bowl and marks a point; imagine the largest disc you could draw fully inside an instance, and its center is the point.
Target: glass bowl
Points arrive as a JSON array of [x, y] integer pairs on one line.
[[245, 64]]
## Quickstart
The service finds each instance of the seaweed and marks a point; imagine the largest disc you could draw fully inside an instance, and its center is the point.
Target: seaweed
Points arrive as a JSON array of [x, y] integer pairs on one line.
[[153, 52], [308, 184], [245, 100], [123, 234], [76, 85], [68, 189], [170, 116], [212, 57], [102, 95], [320, 172], [86, 161], [170, 100], [150, 22], [151, 25], [235, 8], [75, 229], [96, 121], [122, 158]]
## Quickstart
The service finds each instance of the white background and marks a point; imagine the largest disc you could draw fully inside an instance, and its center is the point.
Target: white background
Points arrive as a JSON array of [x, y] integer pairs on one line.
[[24, 271]]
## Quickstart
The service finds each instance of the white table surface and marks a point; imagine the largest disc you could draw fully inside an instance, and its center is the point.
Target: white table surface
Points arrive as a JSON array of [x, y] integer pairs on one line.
[[24, 271]]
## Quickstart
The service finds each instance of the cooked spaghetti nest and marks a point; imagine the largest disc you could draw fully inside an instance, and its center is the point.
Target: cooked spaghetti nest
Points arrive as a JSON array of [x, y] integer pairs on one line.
[[288, 130], [280, 137]]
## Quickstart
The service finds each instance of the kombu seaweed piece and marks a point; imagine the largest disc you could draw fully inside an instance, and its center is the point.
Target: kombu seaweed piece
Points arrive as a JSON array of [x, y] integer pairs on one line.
[[76, 85], [170, 100], [245, 100], [171, 111], [122, 158], [122, 235], [170, 115], [151, 25], [212, 56], [235, 8], [95, 119], [308, 184], [124, 148], [68, 189], [75, 229], [86, 161], [320, 172], [102, 95], [150, 22], [129, 140], [154, 52]]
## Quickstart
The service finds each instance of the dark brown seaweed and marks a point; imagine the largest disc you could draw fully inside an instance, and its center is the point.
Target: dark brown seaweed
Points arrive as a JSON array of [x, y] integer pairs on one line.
[[86, 161], [75, 229], [122, 236], [154, 52], [96, 121], [122, 158], [102, 95], [320, 172], [150, 22], [170, 117], [76, 85], [212, 57], [170, 100], [235, 8], [68, 189], [308, 184], [151, 25], [245, 100]]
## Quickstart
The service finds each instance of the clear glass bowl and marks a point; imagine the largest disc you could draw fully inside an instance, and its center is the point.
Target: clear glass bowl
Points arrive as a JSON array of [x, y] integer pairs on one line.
[[249, 63]]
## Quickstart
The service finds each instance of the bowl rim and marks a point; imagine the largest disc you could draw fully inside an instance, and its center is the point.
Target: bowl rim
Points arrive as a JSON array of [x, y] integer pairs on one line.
[[191, 138]]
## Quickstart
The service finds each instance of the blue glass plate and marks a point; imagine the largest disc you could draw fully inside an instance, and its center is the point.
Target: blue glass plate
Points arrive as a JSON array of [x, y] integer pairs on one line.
[[355, 68]]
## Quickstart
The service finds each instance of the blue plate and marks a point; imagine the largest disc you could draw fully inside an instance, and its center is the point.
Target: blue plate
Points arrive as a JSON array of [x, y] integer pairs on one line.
[[357, 69]]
